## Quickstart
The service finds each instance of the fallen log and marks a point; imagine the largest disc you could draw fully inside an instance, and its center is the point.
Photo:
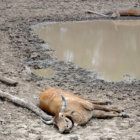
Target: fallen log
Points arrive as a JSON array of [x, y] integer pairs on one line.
[[93, 12], [8, 81], [25, 104]]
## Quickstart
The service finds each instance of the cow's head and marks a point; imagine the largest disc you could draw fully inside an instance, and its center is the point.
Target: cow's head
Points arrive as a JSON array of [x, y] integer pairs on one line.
[[62, 120]]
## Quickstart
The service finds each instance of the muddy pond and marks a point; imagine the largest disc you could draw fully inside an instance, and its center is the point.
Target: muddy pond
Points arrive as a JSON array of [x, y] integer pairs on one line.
[[111, 48]]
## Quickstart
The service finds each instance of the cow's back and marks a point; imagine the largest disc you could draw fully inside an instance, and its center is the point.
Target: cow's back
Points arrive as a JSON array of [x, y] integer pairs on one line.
[[51, 102]]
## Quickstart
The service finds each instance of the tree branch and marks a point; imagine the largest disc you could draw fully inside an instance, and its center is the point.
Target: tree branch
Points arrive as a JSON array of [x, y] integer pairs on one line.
[[8, 81], [93, 12], [25, 104]]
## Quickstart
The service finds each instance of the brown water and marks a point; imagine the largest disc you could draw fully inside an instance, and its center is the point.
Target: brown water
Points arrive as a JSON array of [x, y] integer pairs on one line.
[[111, 48], [47, 73]]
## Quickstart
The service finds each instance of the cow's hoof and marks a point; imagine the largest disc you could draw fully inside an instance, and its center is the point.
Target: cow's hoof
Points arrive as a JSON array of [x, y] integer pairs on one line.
[[124, 115], [108, 102]]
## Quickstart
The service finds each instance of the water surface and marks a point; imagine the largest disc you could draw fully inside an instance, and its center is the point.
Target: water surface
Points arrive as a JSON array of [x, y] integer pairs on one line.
[[47, 73], [111, 48]]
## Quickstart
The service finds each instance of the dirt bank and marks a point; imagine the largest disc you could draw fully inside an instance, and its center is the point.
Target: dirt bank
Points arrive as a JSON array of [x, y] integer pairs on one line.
[[21, 51]]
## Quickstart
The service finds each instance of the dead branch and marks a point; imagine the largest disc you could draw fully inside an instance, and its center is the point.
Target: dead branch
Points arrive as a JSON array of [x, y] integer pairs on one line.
[[25, 104], [93, 12], [8, 81]]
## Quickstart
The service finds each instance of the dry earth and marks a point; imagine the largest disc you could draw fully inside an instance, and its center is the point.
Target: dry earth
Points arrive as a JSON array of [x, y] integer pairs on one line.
[[21, 51]]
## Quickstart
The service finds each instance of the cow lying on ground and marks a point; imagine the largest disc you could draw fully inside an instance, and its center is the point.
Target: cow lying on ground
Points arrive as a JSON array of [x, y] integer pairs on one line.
[[69, 109]]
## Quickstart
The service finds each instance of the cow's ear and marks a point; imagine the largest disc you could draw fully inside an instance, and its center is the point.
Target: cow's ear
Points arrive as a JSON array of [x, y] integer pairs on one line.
[[73, 112], [69, 113]]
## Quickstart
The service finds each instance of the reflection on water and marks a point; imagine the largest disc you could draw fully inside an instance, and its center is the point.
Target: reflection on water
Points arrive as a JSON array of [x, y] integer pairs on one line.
[[111, 48], [47, 73]]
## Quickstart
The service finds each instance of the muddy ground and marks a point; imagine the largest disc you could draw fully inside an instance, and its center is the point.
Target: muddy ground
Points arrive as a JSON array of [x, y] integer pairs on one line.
[[21, 51]]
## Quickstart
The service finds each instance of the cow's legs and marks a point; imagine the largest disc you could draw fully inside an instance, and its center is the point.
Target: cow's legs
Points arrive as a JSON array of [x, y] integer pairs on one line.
[[98, 101], [107, 115], [99, 107]]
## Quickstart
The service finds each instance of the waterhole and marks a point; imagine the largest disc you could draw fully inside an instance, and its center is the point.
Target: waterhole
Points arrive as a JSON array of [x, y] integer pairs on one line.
[[46, 73], [111, 48]]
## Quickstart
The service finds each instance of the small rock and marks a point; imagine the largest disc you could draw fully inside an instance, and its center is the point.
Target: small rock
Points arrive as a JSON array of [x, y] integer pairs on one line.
[[36, 130], [74, 138]]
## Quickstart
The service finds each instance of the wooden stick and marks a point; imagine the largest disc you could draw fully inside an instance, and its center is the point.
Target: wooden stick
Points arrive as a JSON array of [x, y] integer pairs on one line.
[[8, 81], [25, 104], [92, 12]]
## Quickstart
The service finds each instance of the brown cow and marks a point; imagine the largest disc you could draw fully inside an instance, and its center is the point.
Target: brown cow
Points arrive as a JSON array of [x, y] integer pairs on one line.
[[69, 109]]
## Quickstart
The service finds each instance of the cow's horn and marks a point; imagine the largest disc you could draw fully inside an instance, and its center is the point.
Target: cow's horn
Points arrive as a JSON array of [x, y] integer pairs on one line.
[[47, 122], [63, 103]]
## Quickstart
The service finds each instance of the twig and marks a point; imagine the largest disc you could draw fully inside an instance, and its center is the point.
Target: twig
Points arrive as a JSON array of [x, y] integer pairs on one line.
[[25, 104], [93, 12], [8, 81]]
